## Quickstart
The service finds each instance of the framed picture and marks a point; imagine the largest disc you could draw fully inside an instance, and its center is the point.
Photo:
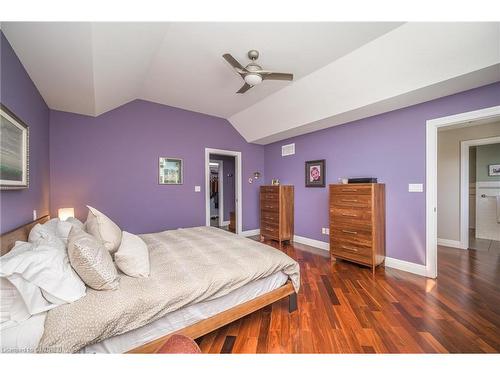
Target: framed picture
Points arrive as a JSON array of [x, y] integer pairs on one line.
[[315, 173], [494, 170], [170, 171], [14, 151]]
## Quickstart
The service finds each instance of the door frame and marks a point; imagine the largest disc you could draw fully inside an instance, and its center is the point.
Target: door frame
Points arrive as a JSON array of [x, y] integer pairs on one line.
[[237, 181], [432, 127], [464, 185], [220, 173]]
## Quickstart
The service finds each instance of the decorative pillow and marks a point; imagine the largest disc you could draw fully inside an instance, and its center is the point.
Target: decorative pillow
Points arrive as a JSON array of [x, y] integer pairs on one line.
[[91, 260], [42, 275], [132, 257], [102, 228]]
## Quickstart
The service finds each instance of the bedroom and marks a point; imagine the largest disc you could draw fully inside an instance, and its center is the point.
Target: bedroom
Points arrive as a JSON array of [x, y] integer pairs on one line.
[[109, 135]]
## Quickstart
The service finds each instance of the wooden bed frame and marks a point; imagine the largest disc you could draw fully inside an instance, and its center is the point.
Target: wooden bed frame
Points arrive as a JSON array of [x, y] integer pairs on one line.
[[193, 331]]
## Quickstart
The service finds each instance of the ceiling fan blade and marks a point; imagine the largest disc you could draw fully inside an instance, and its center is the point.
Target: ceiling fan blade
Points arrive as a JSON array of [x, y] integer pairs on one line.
[[244, 88], [234, 63], [278, 76]]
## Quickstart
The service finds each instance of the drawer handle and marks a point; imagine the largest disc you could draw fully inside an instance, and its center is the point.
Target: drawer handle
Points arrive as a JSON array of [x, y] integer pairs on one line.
[[350, 248], [349, 200], [349, 231], [269, 229], [350, 215], [349, 189]]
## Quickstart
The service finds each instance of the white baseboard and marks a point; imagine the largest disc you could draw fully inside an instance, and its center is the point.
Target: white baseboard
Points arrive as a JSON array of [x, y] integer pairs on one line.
[[449, 243], [251, 232], [225, 223], [314, 243], [402, 265]]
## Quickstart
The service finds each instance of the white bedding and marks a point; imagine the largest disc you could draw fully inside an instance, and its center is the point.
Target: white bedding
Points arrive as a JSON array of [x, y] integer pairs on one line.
[[26, 335]]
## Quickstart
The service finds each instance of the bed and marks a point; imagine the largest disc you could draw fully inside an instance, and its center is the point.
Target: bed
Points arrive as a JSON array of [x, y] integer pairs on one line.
[[193, 320]]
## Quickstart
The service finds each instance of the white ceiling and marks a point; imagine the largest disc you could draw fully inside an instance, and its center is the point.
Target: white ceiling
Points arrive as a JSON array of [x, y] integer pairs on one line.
[[343, 71], [91, 68]]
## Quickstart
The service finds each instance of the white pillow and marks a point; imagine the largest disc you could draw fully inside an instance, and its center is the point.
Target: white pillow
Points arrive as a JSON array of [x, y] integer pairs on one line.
[[104, 229], [75, 222], [12, 307], [132, 257], [42, 274]]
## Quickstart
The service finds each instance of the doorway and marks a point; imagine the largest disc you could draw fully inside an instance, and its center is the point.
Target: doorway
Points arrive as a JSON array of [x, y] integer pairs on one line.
[[223, 189], [472, 118], [480, 198]]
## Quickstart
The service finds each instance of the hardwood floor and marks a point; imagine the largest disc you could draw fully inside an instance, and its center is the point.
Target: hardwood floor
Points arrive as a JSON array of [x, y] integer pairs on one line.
[[342, 309]]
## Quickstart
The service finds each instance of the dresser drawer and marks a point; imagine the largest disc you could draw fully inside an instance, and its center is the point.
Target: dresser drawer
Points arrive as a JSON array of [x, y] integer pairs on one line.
[[352, 200], [269, 231], [269, 225], [272, 197], [270, 189], [352, 234], [269, 216], [352, 252], [351, 189], [266, 205], [351, 216]]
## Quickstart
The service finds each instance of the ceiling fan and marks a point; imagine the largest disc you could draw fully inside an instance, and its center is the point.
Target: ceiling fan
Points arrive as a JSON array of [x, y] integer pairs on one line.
[[253, 74]]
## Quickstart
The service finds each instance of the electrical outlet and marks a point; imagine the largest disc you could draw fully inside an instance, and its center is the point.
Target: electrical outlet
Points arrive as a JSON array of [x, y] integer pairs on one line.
[[325, 230], [197, 189]]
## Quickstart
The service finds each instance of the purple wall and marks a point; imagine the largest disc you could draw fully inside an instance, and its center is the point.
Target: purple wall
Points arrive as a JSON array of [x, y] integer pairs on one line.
[[390, 146], [19, 94], [111, 162], [228, 183]]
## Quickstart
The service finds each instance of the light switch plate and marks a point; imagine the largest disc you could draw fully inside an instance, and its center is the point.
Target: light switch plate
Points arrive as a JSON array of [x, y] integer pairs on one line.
[[197, 188], [35, 215], [415, 188]]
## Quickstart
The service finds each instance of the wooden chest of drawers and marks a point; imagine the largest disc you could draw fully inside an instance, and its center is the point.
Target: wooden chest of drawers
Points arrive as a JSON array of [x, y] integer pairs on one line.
[[357, 223], [276, 213]]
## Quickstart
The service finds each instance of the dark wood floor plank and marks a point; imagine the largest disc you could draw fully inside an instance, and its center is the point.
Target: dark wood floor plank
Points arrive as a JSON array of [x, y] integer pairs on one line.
[[342, 308], [228, 344]]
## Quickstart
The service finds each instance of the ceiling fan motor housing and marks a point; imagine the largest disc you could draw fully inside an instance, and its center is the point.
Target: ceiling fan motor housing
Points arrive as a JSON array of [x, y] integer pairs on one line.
[[253, 54]]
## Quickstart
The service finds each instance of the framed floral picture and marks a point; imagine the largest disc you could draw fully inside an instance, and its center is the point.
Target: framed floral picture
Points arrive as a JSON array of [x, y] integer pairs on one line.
[[170, 171], [14, 151], [315, 173]]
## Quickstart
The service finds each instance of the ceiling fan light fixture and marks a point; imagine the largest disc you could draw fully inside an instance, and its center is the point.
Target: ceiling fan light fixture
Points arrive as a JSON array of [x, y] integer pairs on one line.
[[253, 79]]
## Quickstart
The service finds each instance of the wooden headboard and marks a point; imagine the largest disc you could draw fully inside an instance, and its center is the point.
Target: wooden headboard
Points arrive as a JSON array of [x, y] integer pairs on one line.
[[8, 239]]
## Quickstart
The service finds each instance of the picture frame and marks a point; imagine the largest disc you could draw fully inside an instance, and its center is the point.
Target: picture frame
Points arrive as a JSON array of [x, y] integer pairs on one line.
[[315, 173], [170, 171], [14, 151], [494, 170]]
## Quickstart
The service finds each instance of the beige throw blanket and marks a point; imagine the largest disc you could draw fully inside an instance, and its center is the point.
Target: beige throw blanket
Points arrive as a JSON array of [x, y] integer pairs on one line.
[[187, 266]]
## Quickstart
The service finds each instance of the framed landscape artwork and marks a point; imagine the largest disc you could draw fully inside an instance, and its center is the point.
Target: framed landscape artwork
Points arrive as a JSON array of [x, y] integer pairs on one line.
[[170, 171], [14, 151], [315, 173]]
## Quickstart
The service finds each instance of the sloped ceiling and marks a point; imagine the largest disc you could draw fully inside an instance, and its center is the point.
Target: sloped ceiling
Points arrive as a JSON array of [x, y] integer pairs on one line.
[[343, 71]]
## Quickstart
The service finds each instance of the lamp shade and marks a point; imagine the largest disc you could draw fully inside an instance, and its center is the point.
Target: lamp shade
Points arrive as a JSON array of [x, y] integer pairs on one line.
[[65, 213]]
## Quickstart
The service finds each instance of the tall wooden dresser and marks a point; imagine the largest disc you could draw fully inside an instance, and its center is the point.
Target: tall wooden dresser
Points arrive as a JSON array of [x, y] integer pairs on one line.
[[276, 212], [357, 223]]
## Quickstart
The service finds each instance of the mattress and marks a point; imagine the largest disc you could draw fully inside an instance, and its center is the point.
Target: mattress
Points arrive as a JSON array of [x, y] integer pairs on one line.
[[24, 337]]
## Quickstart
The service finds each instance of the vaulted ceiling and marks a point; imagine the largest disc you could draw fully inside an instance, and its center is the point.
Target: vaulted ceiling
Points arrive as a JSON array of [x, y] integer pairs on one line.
[[343, 71]]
